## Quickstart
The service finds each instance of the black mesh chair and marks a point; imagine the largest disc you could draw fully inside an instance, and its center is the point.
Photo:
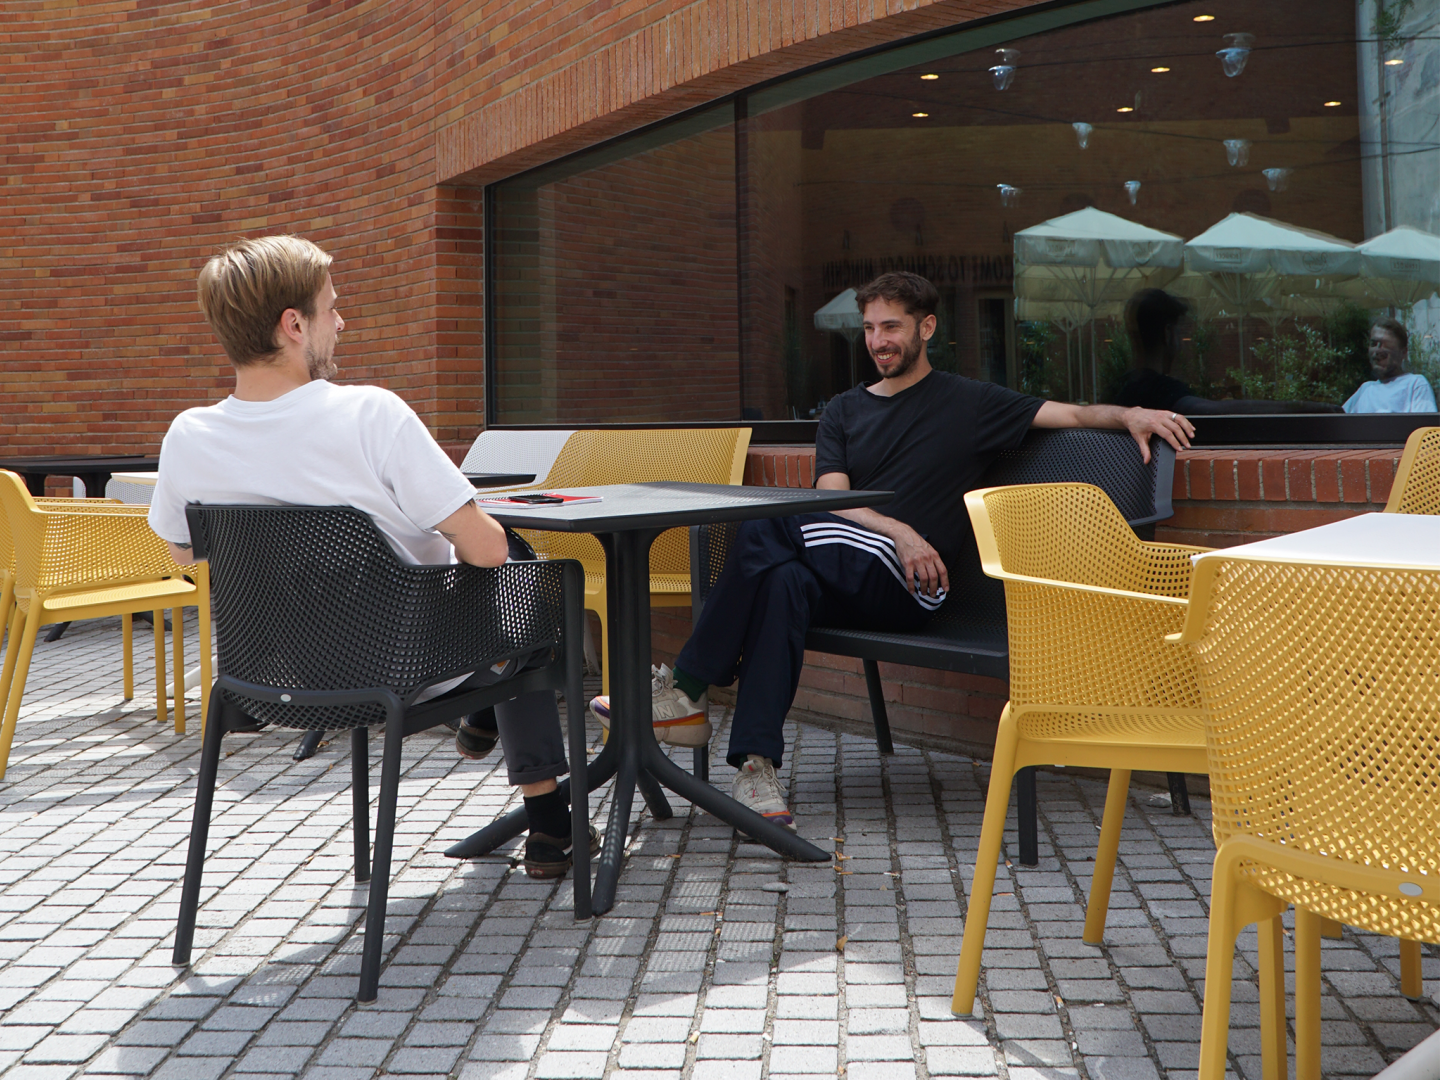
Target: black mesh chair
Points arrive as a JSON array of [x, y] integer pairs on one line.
[[320, 626]]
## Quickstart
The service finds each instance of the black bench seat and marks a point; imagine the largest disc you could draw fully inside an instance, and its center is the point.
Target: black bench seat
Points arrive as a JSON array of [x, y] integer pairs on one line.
[[968, 634]]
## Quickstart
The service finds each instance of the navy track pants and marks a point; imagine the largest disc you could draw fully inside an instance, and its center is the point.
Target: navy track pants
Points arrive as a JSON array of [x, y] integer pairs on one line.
[[784, 575]]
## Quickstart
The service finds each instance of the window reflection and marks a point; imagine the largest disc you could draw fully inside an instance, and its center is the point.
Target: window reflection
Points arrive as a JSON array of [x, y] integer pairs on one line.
[[1236, 164]]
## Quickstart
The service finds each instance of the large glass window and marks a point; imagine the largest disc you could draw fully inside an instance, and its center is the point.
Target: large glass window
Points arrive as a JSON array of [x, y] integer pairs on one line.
[[1040, 171]]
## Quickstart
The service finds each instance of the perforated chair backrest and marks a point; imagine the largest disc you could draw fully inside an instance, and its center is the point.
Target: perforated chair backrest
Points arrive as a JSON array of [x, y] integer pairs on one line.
[[1321, 688], [511, 451], [637, 456], [1417, 480], [314, 598], [1073, 647]]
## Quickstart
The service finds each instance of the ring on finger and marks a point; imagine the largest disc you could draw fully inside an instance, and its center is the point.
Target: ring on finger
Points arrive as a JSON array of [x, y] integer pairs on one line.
[[1173, 415]]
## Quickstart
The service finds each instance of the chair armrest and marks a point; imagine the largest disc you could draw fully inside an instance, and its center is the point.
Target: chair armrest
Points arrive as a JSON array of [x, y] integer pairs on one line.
[[100, 544]]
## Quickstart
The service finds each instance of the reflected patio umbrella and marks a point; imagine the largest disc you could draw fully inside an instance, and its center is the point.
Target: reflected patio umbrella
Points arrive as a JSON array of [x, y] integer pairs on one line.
[[842, 316], [1245, 261], [1397, 269], [1092, 259]]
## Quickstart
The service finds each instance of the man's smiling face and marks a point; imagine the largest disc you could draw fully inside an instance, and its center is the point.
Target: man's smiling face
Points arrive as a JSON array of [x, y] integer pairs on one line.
[[894, 337]]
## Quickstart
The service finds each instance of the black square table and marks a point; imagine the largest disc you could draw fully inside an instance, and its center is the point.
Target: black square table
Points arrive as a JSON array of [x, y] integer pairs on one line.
[[495, 479], [93, 469], [626, 521]]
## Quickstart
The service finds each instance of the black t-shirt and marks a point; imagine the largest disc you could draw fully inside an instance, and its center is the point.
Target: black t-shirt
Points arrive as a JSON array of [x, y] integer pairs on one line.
[[929, 444], [1149, 389]]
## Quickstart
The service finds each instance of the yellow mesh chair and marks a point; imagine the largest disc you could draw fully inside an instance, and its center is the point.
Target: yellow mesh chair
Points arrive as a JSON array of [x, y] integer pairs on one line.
[[1320, 688], [1092, 681], [91, 563], [635, 456], [1417, 480]]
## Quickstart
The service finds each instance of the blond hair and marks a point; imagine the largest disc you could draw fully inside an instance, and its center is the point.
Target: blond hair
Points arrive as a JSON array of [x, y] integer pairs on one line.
[[245, 289]]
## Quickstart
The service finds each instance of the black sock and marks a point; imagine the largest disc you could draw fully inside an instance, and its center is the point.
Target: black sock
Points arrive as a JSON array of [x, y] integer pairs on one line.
[[694, 688], [548, 814]]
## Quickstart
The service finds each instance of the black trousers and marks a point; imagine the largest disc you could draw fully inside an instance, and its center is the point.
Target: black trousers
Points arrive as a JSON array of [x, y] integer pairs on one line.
[[783, 575]]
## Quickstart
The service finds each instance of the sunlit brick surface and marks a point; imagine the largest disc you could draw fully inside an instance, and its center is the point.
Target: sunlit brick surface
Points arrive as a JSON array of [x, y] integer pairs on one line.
[[705, 968]]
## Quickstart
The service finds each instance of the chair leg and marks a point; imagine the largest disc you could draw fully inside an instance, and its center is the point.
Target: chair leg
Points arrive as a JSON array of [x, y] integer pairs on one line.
[[702, 763], [1028, 817], [992, 834], [877, 707], [579, 794], [1307, 995], [1106, 851], [1412, 983], [1274, 1059], [599, 609], [1219, 960], [177, 641], [161, 713], [127, 649], [359, 797], [1179, 794], [12, 650], [18, 670], [374, 947], [199, 832], [202, 581]]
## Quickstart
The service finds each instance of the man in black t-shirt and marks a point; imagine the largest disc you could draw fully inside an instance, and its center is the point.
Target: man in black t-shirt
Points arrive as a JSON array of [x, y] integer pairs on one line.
[[924, 434]]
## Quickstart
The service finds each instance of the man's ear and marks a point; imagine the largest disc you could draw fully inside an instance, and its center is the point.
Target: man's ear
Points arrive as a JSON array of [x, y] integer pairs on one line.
[[927, 327], [290, 328]]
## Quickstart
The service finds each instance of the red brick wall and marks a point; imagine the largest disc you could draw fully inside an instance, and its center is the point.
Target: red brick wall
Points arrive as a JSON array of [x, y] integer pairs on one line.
[[139, 138], [1221, 498]]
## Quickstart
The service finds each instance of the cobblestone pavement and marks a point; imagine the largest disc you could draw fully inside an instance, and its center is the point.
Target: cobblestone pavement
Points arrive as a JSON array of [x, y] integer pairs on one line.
[[718, 961]]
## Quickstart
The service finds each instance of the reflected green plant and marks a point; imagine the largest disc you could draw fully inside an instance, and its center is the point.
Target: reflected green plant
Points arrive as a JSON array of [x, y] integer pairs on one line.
[[1297, 367]]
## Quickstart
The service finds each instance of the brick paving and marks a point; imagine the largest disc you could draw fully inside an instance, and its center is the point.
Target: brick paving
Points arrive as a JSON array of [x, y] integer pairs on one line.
[[719, 962]]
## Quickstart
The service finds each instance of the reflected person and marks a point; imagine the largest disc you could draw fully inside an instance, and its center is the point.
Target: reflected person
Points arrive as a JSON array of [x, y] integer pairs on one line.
[[1392, 390], [1155, 323]]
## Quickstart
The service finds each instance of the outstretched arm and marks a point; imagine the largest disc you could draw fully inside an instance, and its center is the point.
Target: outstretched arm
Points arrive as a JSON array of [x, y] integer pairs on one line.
[[1141, 423]]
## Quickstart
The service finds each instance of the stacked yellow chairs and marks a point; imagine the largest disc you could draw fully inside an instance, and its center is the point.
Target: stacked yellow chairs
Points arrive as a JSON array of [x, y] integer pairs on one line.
[[1092, 680], [635, 456], [89, 562], [1321, 684]]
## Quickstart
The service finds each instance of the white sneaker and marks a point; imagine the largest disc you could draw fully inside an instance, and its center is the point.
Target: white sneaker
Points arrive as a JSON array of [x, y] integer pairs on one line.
[[677, 720], [757, 787]]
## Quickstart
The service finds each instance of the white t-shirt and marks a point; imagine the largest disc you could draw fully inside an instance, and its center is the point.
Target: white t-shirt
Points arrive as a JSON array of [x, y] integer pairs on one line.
[[1404, 393], [318, 445]]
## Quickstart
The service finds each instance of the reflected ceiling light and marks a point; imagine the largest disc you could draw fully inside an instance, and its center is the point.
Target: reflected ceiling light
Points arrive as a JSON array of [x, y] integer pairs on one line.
[[1394, 61], [1203, 18], [1331, 104], [1237, 151], [1235, 54], [1009, 194], [1125, 108], [1278, 179], [1004, 72], [930, 78], [1132, 188], [1082, 134], [1159, 70], [919, 115]]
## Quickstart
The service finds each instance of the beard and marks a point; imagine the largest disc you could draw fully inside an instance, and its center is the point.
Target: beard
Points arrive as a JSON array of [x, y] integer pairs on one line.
[[320, 366], [909, 357]]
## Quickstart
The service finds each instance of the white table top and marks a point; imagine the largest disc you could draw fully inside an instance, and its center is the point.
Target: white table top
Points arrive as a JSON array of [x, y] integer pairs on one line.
[[1409, 540]]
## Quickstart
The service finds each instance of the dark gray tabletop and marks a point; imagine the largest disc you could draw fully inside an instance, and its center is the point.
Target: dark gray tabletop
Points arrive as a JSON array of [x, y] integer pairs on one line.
[[496, 479], [667, 505]]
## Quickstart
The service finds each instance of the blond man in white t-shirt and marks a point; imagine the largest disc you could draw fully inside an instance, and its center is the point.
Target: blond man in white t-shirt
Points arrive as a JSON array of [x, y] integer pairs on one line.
[[290, 436]]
